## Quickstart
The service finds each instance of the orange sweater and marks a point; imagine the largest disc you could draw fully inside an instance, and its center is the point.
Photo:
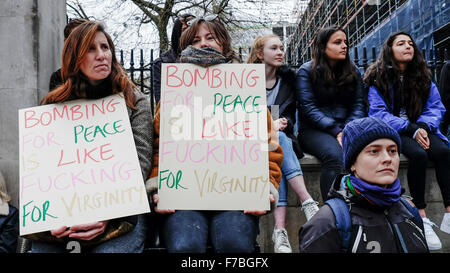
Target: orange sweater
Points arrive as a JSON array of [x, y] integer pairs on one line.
[[275, 151]]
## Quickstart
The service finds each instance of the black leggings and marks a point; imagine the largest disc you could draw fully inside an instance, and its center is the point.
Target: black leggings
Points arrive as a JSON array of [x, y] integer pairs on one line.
[[327, 149], [418, 157]]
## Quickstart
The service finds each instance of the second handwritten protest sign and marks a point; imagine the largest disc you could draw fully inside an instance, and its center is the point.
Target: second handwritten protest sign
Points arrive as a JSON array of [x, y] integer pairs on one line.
[[78, 164], [213, 138]]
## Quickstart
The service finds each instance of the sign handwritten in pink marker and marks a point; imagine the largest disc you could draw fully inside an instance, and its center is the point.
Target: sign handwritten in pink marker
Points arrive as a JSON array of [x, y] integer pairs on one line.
[[213, 138], [78, 164]]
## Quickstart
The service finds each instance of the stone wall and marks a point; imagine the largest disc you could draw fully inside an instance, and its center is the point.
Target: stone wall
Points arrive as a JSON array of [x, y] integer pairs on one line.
[[31, 41]]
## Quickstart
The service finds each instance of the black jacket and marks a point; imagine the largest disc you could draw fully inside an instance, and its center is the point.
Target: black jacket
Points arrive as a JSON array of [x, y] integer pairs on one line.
[[9, 231], [55, 80], [287, 104], [167, 57], [327, 109], [373, 230]]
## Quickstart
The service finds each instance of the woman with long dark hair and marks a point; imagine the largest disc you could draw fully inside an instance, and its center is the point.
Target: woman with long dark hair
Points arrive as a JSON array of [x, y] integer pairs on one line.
[[90, 70], [330, 95], [403, 94]]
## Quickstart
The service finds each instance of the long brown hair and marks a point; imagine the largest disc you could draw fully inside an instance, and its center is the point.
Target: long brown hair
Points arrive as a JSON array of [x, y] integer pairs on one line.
[[215, 27], [385, 74], [75, 83]]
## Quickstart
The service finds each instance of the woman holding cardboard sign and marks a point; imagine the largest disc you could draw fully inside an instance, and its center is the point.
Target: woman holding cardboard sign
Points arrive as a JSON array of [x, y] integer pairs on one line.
[[206, 42], [91, 71]]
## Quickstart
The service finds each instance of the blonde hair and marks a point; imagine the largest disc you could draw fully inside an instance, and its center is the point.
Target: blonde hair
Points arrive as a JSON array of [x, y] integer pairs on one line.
[[258, 47], [4, 197]]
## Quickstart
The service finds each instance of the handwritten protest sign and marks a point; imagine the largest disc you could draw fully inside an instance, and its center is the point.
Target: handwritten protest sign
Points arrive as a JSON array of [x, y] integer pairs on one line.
[[213, 138], [78, 164]]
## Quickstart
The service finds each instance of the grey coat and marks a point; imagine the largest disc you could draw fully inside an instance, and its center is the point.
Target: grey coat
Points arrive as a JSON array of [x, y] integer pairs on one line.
[[141, 121]]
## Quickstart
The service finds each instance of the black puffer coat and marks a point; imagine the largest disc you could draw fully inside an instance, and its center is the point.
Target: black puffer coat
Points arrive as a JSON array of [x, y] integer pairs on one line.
[[327, 108]]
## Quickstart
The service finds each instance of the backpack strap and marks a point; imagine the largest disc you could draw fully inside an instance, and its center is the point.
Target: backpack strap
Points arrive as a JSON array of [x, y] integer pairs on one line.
[[413, 210], [343, 220]]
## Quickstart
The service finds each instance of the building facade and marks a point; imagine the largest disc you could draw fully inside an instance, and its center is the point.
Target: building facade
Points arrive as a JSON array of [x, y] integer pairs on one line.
[[369, 22]]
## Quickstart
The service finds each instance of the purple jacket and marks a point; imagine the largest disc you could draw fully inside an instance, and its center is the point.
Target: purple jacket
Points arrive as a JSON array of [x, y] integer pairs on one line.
[[431, 116]]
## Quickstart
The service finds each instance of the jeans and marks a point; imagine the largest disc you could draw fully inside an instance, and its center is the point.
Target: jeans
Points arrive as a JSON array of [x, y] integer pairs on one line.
[[290, 167], [131, 242], [186, 231], [327, 149], [418, 157]]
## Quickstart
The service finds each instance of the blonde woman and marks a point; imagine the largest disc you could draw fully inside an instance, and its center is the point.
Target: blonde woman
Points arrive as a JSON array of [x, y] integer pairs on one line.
[[281, 87]]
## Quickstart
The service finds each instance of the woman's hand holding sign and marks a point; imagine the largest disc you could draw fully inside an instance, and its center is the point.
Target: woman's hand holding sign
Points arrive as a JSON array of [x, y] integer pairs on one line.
[[156, 200], [260, 212], [83, 232]]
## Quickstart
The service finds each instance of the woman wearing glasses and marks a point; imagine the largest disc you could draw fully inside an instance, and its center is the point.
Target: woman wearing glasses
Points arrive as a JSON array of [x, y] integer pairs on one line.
[[207, 42]]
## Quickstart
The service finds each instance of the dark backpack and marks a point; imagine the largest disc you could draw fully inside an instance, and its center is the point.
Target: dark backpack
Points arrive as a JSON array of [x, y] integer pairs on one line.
[[344, 222]]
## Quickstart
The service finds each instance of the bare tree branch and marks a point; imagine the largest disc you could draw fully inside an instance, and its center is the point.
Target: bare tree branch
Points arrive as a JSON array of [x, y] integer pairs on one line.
[[79, 11], [146, 23]]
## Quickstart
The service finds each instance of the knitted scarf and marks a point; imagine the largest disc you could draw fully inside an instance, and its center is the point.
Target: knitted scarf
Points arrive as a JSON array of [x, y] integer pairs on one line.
[[373, 194], [202, 56]]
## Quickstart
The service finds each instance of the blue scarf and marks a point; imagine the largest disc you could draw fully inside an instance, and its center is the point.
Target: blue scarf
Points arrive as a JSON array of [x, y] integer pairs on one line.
[[374, 194]]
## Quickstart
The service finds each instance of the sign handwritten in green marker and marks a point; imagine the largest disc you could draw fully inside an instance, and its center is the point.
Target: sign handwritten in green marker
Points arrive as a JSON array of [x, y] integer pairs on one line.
[[78, 164], [213, 138]]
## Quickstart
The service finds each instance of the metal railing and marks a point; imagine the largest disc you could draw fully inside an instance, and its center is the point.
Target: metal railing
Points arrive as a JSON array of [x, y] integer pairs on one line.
[[141, 73]]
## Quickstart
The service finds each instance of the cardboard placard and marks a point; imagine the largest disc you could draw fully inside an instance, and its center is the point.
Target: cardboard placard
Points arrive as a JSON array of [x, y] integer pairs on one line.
[[213, 138], [78, 164]]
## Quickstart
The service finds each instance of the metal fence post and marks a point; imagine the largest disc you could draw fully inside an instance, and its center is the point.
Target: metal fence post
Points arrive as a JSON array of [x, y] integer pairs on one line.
[[152, 92]]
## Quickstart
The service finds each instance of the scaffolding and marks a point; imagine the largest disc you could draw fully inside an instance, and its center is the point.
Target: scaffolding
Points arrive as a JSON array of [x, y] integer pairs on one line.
[[357, 17]]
